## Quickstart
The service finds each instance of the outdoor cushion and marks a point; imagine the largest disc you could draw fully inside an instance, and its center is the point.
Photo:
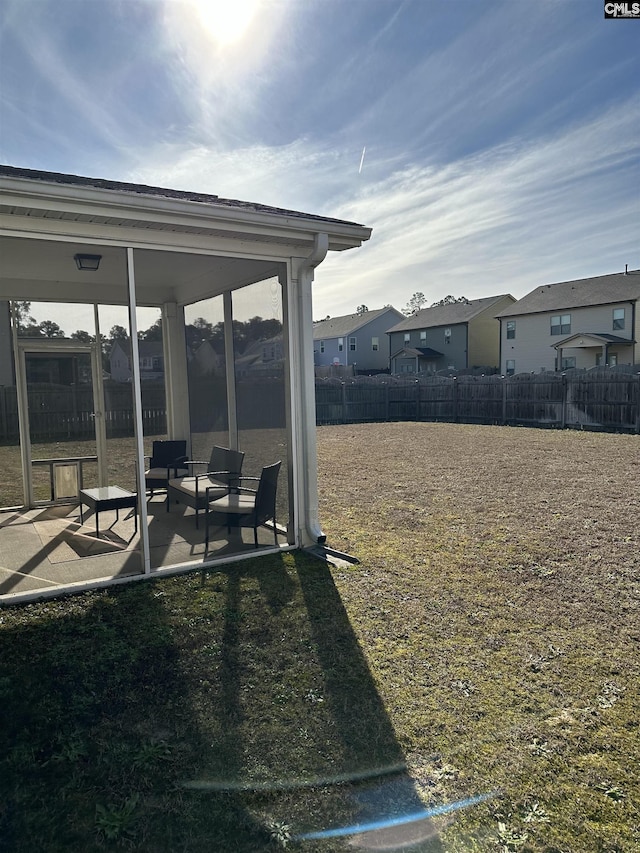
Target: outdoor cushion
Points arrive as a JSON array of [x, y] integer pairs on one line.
[[195, 486], [161, 473], [233, 503]]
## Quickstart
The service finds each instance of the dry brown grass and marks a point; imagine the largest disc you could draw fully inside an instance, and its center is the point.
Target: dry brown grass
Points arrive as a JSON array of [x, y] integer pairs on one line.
[[497, 603]]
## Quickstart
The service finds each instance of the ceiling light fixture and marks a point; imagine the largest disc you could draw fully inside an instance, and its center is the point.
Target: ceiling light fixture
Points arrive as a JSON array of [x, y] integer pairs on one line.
[[87, 262]]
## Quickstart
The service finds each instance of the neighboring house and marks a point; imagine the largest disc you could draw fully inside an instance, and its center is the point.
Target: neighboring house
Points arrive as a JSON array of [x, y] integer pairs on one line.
[[449, 337], [207, 360], [150, 357], [261, 356], [584, 323], [355, 339]]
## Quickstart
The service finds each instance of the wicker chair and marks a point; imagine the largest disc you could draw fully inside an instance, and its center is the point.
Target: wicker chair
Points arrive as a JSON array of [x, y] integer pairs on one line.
[[219, 474], [244, 506], [168, 460]]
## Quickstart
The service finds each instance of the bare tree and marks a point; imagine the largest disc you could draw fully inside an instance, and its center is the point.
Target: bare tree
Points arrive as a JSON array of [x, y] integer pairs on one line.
[[417, 301]]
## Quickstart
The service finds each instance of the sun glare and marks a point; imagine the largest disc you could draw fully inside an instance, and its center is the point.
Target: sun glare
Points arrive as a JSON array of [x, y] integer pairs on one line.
[[226, 20]]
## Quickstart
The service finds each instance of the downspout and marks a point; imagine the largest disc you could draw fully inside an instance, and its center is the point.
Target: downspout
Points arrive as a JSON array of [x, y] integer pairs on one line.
[[307, 453]]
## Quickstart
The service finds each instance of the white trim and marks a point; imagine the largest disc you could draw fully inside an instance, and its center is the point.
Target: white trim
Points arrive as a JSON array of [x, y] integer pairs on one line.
[[136, 386]]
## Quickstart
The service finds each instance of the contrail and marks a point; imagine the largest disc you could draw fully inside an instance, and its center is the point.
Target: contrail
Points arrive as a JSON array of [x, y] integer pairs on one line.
[[362, 159]]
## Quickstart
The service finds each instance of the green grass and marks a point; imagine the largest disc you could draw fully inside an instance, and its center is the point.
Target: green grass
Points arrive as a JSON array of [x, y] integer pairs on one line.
[[488, 639]]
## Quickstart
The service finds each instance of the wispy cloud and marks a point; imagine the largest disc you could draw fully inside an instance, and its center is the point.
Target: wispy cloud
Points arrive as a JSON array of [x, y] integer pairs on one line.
[[506, 219]]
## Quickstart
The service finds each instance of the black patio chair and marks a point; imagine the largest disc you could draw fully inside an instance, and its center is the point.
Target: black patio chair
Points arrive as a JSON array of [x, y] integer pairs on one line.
[[244, 506], [167, 460], [219, 474]]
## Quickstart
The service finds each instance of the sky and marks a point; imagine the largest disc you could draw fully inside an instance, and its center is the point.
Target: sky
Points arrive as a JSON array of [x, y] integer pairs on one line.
[[492, 146]]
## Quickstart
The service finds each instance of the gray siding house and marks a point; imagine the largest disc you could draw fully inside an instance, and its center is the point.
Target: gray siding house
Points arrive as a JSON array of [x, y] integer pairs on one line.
[[150, 356], [449, 337], [583, 323], [355, 339]]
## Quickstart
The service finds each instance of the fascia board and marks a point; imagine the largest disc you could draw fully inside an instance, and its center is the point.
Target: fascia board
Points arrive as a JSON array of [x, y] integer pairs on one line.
[[103, 202]]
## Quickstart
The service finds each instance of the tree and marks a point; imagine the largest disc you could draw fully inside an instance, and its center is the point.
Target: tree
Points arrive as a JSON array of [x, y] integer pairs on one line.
[[361, 309], [21, 309], [153, 333], [451, 300], [417, 301], [83, 337], [118, 333], [49, 329]]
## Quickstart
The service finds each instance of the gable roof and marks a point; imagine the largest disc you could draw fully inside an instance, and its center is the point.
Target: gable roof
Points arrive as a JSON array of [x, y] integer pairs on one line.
[[580, 293], [447, 315], [340, 327], [146, 349], [158, 192]]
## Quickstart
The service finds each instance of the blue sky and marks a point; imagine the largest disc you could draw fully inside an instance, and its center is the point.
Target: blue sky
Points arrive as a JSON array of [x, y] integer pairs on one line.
[[502, 138]]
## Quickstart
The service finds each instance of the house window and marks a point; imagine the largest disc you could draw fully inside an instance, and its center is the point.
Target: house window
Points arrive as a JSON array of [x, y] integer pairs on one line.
[[340, 344], [407, 337], [447, 336], [618, 318], [511, 366], [352, 344], [568, 363], [321, 346], [511, 329], [561, 324], [423, 336], [375, 344]]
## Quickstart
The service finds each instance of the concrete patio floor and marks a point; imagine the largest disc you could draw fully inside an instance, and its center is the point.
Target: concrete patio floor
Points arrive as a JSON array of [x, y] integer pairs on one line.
[[48, 547]]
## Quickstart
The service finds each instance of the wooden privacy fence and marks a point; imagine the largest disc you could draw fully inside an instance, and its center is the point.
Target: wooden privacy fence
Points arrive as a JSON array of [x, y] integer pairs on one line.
[[606, 399], [63, 412], [598, 400]]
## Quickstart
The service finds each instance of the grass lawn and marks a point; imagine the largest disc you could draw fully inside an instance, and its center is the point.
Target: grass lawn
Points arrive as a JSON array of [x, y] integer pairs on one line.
[[487, 640]]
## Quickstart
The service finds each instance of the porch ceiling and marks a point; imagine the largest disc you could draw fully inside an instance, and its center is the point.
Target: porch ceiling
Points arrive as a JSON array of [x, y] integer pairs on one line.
[[45, 271]]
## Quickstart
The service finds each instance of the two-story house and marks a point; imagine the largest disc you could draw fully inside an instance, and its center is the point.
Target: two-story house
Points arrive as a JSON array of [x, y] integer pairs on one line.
[[583, 323], [449, 337], [355, 339], [150, 355]]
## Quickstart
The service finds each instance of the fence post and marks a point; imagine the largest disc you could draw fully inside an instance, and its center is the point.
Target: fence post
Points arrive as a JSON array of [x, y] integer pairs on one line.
[[386, 401], [504, 400], [417, 399], [563, 408], [454, 413], [638, 408], [344, 402]]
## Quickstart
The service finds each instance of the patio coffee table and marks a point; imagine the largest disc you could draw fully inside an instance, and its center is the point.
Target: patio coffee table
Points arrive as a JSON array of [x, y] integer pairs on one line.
[[108, 497]]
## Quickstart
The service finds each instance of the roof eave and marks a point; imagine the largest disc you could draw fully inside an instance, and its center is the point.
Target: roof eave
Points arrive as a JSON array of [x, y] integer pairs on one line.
[[106, 202]]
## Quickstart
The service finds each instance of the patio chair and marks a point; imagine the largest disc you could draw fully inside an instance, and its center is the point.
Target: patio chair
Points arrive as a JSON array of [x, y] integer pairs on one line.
[[219, 474], [167, 460], [244, 506]]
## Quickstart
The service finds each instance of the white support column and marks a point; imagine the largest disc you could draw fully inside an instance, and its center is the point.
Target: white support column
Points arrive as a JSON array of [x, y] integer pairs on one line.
[[136, 385], [299, 298], [175, 372], [230, 370]]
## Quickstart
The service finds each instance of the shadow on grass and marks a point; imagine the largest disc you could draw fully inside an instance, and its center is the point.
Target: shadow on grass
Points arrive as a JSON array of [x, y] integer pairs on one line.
[[227, 710]]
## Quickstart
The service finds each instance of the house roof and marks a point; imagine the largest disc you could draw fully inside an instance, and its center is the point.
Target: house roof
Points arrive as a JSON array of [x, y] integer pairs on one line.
[[418, 352], [158, 192], [447, 315], [580, 293], [603, 337], [147, 349], [340, 327]]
